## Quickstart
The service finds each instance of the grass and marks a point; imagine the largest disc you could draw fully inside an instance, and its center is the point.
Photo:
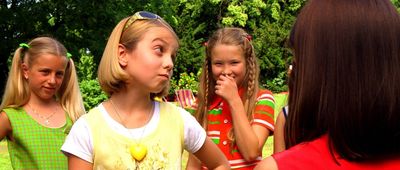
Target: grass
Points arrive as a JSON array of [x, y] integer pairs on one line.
[[5, 163], [280, 100]]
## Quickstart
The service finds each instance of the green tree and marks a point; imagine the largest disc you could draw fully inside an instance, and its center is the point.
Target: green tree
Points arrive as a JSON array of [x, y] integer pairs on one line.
[[397, 4], [77, 24], [87, 25], [91, 91], [269, 23]]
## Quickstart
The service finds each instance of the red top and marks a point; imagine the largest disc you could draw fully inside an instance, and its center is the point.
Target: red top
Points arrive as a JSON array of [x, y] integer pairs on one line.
[[220, 122], [316, 155]]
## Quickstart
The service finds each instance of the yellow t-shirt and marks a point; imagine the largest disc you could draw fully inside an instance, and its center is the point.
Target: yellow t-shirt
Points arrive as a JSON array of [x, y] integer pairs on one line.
[[164, 145]]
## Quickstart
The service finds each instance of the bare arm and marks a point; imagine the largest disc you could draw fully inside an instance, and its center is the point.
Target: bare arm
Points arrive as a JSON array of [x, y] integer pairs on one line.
[[212, 156], [268, 163], [75, 163], [5, 126], [249, 138], [193, 163], [279, 139]]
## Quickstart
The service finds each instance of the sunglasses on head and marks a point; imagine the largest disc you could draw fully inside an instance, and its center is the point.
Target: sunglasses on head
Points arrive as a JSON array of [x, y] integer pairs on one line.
[[141, 15]]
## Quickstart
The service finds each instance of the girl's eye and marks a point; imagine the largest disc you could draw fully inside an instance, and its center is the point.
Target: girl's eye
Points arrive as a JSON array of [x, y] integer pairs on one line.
[[60, 75], [45, 72], [159, 49], [217, 63]]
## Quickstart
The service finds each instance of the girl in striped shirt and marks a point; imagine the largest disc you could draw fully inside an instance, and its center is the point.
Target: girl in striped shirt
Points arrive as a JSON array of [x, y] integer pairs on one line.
[[237, 115]]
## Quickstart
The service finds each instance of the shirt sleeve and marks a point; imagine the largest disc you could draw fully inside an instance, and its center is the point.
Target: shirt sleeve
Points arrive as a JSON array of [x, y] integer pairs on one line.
[[79, 141], [264, 110], [192, 108], [194, 134]]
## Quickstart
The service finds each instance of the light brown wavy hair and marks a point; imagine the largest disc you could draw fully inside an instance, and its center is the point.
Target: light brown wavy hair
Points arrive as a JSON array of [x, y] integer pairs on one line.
[[236, 37]]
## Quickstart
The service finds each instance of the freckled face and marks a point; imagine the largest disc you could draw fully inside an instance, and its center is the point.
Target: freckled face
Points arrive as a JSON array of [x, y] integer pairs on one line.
[[228, 60], [45, 75], [150, 64]]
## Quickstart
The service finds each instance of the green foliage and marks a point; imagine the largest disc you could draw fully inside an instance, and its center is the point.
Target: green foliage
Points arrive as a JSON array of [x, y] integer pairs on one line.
[[86, 66], [196, 19], [91, 91], [277, 84], [269, 22], [186, 81], [397, 4], [237, 15], [270, 39], [275, 10], [87, 25]]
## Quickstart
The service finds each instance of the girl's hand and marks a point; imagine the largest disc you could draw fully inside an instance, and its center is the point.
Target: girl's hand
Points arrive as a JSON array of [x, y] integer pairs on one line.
[[226, 87]]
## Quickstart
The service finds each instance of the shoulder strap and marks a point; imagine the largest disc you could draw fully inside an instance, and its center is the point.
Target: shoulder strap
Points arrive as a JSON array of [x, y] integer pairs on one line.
[[285, 112]]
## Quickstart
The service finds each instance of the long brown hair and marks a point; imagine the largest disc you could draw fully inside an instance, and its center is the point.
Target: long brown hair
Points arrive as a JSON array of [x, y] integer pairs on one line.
[[346, 77], [228, 36]]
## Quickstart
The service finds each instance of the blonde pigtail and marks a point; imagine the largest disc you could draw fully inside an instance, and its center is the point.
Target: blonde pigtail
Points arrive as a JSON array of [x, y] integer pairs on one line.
[[69, 93], [17, 93]]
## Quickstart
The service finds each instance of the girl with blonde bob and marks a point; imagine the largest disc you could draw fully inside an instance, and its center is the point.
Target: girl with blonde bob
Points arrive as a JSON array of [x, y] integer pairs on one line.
[[131, 130]]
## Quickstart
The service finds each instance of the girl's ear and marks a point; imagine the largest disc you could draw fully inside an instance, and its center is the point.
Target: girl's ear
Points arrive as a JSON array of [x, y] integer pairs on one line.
[[122, 55], [25, 70]]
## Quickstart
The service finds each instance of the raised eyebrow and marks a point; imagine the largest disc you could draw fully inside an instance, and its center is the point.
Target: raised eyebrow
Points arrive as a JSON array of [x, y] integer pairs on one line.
[[160, 39], [44, 69], [174, 49]]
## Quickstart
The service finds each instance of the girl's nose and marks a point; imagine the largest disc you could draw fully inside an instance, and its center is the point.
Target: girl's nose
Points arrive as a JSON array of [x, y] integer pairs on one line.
[[226, 72], [168, 63], [52, 79]]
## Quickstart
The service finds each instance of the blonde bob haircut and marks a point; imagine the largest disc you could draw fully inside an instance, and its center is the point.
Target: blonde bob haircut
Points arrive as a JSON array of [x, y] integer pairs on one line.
[[111, 75]]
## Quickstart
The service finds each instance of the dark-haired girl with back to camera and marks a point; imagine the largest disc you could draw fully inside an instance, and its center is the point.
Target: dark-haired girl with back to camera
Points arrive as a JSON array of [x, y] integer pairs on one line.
[[344, 102]]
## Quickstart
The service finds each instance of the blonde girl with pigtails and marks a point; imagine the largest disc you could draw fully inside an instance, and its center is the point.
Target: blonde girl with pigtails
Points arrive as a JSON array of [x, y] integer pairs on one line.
[[40, 103], [236, 113]]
